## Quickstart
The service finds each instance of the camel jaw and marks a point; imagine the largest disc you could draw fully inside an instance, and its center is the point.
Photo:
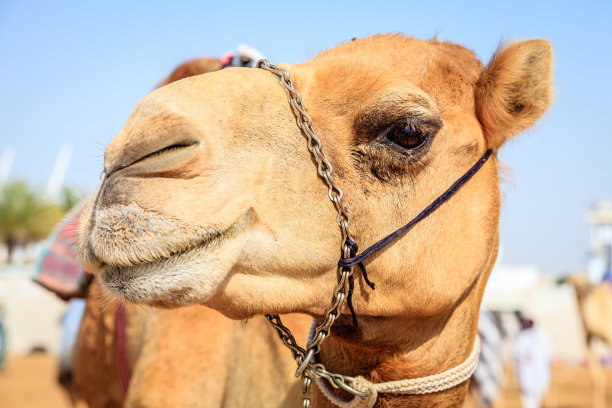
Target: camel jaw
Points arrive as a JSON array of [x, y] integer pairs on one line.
[[185, 268]]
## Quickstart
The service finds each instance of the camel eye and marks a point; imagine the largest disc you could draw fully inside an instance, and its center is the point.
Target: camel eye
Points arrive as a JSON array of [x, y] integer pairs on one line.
[[408, 136]]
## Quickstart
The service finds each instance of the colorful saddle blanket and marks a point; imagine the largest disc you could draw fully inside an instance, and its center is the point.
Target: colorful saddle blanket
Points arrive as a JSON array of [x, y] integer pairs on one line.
[[58, 269]]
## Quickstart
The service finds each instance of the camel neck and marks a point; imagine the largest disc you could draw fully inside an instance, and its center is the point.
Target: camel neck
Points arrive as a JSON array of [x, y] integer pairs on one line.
[[394, 348]]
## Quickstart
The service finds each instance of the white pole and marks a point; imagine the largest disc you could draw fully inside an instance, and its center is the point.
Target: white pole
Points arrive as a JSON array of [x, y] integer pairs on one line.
[[6, 164], [58, 174]]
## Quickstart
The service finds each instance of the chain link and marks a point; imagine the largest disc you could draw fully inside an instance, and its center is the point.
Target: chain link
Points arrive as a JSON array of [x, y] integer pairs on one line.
[[306, 391], [287, 338], [304, 122], [307, 369]]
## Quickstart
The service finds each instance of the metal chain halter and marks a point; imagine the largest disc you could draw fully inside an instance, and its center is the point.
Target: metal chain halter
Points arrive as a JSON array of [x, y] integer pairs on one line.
[[308, 369]]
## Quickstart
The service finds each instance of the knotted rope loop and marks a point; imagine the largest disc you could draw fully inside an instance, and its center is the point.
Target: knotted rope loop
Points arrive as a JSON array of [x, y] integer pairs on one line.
[[412, 386], [350, 250]]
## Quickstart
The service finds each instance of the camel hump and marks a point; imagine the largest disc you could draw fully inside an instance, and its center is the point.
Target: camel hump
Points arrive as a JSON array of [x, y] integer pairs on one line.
[[191, 68]]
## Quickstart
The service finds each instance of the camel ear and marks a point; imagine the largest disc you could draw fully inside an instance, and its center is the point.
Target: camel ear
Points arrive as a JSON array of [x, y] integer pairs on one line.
[[514, 90]]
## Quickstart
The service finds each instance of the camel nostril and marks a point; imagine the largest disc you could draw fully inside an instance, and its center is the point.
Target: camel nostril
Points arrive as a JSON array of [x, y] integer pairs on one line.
[[164, 160], [165, 150]]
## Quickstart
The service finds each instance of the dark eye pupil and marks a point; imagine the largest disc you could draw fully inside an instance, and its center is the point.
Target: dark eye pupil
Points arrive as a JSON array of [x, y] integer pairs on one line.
[[407, 137]]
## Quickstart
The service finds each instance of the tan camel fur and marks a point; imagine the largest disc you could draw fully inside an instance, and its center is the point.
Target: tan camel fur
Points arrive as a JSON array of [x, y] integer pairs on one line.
[[95, 367], [595, 306], [210, 197], [187, 357], [595, 302]]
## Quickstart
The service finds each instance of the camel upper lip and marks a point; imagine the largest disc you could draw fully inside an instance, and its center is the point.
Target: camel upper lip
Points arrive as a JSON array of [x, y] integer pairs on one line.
[[128, 235]]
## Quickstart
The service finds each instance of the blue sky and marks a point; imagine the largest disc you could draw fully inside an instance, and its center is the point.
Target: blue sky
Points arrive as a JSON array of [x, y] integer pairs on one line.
[[71, 72]]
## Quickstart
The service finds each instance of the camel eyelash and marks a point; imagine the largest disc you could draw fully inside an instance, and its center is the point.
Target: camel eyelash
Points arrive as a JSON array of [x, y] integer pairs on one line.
[[386, 162]]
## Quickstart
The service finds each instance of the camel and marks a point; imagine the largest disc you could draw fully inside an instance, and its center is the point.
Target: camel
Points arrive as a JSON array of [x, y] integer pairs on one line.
[[210, 205], [595, 306], [595, 303]]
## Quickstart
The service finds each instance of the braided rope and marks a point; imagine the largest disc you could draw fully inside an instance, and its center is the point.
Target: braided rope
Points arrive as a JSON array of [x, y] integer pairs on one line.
[[412, 386]]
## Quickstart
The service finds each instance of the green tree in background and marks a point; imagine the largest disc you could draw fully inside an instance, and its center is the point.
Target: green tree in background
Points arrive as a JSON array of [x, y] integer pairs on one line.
[[24, 216], [70, 197]]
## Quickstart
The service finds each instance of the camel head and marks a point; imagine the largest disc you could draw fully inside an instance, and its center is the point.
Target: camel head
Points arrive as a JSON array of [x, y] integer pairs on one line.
[[209, 194]]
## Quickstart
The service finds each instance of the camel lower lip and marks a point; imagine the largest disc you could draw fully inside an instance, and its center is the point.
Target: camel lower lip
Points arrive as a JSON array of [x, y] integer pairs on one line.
[[166, 282]]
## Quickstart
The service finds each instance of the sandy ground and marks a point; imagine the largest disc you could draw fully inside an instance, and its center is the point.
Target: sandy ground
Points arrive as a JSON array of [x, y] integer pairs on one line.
[[571, 387], [29, 382]]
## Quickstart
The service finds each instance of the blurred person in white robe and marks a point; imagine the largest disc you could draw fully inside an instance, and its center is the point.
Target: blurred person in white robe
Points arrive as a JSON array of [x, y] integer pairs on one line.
[[532, 356]]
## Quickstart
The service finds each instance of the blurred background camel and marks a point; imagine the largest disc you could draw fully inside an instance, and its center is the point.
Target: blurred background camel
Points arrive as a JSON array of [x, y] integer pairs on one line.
[[595, 305]]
